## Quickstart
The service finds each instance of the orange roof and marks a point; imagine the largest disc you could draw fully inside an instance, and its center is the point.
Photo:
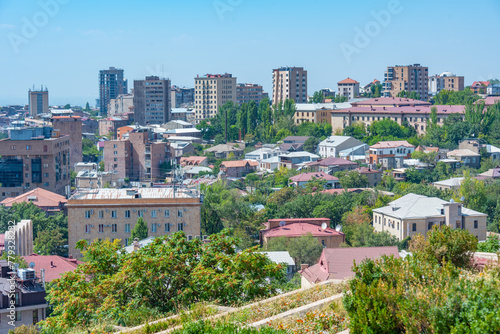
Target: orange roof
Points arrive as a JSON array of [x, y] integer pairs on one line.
[[54, 265], [239, 163], [59, 117], [39, 197], [193, 160], [348, 81], [391, 144]]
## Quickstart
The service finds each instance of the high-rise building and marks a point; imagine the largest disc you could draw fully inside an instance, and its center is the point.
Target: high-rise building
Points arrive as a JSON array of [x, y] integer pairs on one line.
[[410, 78], [38, 101], [111, 84], [246, 92], [182, 97], [289, 83], [71, 126], [212, 91], [32, 158], [152, 100], [445, 81], [121, 105]]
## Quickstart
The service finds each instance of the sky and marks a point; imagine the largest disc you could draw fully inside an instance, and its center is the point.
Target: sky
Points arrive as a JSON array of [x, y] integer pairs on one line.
[[62, 44]]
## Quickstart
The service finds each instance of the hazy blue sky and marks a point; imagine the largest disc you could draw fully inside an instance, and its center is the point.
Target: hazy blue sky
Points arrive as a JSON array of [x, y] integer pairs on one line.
[[248, 38]]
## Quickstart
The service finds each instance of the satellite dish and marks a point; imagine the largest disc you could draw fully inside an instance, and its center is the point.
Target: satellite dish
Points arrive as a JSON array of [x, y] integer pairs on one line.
[[338, 228], [282, 223], [32, 265], [323, 226], [462, 198], [452, 200]]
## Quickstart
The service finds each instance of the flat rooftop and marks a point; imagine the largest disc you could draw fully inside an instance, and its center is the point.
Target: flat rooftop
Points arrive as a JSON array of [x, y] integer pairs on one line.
[[132, 193]]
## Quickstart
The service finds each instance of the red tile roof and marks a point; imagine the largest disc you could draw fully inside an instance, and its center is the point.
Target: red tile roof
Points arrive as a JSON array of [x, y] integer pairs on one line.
[[348, 81], [54, 265], [490, 100], [331, 161], [239, 163], [59, 117], [392, 144], [419, 110], [192, 161], [395, 101], [336, 263], [299, 229], [306, 177], [480, 84], [41, 198]]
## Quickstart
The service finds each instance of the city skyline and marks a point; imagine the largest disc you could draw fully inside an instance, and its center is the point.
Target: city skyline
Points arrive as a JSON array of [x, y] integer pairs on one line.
[[52, 42]]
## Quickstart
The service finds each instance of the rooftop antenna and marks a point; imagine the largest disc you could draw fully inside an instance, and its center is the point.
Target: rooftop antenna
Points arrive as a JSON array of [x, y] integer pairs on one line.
[[323, 226]]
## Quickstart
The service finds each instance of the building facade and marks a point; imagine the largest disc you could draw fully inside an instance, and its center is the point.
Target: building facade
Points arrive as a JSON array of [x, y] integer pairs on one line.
[[121, 105], [390, 154], [38, 101], [137, 157], [152, 101], [181, 97], [111, 84], [71, 126], [212, 91], [113, 213], [348, 88], [289, 83], [416, 214], [32, 158], [409, 78], [445, 81], [246, 92]]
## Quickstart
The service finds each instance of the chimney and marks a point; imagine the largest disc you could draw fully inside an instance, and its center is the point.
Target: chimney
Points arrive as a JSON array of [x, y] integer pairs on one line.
[[303, 266]]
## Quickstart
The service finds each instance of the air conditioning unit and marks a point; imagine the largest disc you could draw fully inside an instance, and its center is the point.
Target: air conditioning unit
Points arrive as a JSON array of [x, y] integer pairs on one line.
[[107, 210], [91, 225], [158, 225], [133, 210]]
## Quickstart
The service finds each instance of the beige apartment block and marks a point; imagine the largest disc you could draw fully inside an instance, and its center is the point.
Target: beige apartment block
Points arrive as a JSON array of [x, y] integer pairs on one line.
[[71, 126], [212, 91], [38, 102], [415, 214], [410, 78], [289, 83], [113, 213]]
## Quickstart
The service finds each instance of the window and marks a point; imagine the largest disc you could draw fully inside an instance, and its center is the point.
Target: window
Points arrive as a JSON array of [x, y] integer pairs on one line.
[[101, 214], [475, 224], [17, 300], [153, 213], [153, 228], [114, 228], [127, 213], [127, 228], [180, 227], [457, 224], [18, 316], [115, 152], [35, 316], [179, 213], [113, 214], [87, 214], [140, 213], [414, 227], [126, 242], [167, 227], [28, 147], [101, 228], [429, 225], [87, 228]]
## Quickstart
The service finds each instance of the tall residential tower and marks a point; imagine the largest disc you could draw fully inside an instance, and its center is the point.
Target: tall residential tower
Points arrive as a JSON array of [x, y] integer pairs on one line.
[[111, 84], [289, 83], [152, 101], [410, 78], [212, 91]]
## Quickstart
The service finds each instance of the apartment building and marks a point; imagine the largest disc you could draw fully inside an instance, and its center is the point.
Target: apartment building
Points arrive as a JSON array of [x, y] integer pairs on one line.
[[137, 157], [32, 158], [348, 88], [480, 87], [38, 101], [121, 105], [390, 154], [445, 81], [113, 213], [212, 91], [152, 100], [111, 84], [416, 214], [289, 83], [72, 127], [246, 92], [181, 96], [410, 78], [316, 112], [111, 125], [397, 109]]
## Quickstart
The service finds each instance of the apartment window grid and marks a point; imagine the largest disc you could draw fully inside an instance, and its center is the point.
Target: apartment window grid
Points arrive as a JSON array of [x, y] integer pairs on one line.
[[167, 227], [127, 213], [114, 228], [101, 228], [153, 228], [180, 226], [127, 228], [114, 214], [100, 214], [179, 213]]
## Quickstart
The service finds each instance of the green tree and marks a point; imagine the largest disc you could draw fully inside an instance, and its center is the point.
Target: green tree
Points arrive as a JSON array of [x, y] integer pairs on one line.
[[318, 97], [140, 230], [311, 145], [352, 179], [305, 249], [473, 193], [51, 242]]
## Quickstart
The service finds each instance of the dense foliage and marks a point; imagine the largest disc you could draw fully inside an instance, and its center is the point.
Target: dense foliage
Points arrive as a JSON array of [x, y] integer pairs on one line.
[[424, 294], [169, 273]]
